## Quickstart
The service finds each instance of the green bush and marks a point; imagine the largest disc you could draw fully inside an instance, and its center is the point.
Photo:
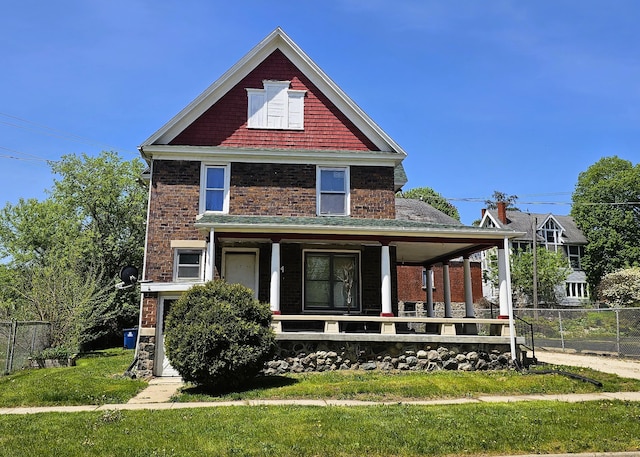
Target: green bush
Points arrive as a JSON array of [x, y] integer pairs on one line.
[[218, 335]]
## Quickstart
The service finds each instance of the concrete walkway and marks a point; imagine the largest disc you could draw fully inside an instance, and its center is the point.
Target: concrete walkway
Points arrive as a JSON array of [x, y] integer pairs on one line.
[[569, 398]]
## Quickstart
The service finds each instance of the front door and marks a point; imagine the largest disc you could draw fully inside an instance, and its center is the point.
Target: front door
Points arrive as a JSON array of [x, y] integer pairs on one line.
[[163, 365], [241, 267]]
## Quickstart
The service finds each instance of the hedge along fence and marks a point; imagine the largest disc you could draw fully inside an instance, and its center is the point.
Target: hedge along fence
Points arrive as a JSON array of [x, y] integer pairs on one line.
[[21, 339]]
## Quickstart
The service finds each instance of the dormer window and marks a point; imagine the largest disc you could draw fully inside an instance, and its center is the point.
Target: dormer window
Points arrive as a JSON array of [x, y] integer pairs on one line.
[[551, 232], [276, 107]]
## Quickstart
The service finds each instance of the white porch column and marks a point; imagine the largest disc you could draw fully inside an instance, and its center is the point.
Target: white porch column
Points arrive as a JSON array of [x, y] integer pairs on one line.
[[209, 264], [429, 286], [446, 283], [504, 286], [274, 294], [512, 328], [468, 288], [385, 262]]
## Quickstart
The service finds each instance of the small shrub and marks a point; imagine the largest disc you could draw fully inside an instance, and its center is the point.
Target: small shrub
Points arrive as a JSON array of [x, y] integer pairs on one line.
[[621, 288], [218, 335], [55, 353]]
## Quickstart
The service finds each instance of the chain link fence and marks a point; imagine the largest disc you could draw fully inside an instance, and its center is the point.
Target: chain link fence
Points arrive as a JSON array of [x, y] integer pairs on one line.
[[19, 340], [614, 331]]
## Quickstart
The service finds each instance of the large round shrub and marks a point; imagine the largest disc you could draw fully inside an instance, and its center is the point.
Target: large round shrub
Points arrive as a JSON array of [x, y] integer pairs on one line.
[[218, 335]]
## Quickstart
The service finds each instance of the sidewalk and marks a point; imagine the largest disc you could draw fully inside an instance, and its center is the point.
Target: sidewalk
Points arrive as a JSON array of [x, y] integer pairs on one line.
[[160, 390]]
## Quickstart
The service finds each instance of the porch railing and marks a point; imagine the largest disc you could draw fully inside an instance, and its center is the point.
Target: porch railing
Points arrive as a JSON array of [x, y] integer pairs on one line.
[[334, 324]]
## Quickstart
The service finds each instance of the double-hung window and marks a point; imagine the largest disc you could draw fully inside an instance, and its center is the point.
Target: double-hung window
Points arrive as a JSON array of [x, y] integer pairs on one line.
[[188, 265], [331, 281], [214, 188], [332, 191], [575, 253]]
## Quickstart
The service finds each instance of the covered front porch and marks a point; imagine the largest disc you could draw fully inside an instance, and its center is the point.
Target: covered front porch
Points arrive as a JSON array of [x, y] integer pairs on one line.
[[335, 278]]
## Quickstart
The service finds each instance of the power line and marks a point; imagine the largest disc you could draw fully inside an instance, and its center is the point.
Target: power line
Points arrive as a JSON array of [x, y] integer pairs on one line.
[[31, 157], [519, 203], [53, 132]]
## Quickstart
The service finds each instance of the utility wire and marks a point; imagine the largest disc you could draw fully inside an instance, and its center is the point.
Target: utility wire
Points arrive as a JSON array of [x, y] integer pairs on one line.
[[29, 158], [53, 132]]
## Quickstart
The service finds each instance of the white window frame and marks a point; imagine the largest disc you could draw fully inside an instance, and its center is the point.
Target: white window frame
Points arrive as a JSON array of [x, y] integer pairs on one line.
[[576, 289], [176, 264], [551, 227], [424, 278], [347, 190], [358, 308], [286, 112], [203, 187]]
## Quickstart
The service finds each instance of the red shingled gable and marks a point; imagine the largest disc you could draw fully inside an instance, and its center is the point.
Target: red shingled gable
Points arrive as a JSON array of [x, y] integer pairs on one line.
[[225, 123]]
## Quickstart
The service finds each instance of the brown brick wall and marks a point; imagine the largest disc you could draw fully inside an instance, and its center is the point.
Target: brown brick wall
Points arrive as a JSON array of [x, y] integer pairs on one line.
[[225, 123], [410, 283], [290, 190], [272, 189], [372, 193], [173, 206], [149, 309]]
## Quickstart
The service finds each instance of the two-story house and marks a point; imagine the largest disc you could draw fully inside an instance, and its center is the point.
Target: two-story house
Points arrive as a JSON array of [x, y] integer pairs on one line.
[[554, 232], [274, 178]]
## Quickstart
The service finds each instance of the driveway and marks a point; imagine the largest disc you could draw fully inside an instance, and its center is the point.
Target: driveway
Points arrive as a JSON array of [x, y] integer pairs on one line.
[[626, 368]]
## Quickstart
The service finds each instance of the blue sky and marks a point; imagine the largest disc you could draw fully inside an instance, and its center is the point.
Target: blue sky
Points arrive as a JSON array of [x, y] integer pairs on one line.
[[515, 96]]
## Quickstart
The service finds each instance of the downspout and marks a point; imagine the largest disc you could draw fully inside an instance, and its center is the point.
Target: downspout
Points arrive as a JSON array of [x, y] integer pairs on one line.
[[144, 260]]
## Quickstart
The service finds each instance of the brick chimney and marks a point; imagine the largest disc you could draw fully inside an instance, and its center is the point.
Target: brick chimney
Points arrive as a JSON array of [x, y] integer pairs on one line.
[[502, 212], [484, 210]]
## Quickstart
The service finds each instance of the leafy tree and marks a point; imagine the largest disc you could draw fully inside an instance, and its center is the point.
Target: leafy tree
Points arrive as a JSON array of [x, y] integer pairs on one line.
[[218, 335], [606, 207], [621, 288], [552, 269], [63, 294], [90, 226], [31, 230], [500, 197], [106, 197], [104, 194], [433, 198]]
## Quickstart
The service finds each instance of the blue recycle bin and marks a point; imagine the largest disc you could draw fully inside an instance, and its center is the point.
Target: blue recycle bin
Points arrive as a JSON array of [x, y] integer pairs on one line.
[[130, 337]]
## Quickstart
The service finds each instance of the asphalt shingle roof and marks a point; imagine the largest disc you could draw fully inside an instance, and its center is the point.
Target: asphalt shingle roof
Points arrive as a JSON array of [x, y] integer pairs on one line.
[[410, 209], [523, 222]]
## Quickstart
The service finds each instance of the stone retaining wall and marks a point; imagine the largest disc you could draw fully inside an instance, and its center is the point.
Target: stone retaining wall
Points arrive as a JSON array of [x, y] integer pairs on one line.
[[323, 356]]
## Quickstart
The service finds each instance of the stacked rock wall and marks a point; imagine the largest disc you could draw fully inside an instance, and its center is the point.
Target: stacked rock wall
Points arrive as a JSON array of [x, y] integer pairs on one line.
[[302, 357]]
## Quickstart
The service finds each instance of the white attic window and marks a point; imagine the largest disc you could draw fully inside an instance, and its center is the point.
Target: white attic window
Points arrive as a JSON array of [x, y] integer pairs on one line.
[[276, 107]]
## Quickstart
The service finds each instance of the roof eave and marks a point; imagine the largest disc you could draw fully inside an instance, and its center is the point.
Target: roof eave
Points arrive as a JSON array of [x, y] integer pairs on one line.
[[392, 232]]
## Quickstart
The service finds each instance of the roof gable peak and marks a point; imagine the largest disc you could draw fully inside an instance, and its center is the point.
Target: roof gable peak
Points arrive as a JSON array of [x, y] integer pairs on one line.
[[276, 40]]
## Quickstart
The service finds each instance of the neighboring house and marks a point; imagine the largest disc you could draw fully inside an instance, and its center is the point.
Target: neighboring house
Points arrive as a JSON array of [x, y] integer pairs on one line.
[[412, 280], [274, 178], [554, 232]]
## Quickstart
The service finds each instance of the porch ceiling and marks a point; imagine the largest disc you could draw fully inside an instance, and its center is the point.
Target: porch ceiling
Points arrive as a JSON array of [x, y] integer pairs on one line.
[[416, 242]]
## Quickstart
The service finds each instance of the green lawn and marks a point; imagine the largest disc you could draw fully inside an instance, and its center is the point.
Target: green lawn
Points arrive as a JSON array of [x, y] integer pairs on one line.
[[398, 386], [96, 379], [398, 430]]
